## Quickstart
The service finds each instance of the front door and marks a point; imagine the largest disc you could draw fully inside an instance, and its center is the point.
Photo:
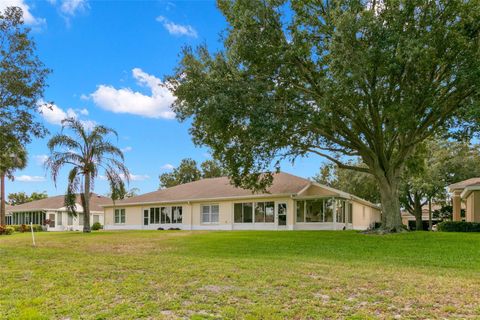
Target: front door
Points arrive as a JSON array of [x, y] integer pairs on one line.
[[282, 214], [51, 217]]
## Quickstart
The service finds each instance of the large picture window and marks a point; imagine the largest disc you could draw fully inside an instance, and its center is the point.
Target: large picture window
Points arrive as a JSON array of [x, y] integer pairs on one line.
[[119, 216], [258, 212], [321, 210], [210, 213], [163, 215]]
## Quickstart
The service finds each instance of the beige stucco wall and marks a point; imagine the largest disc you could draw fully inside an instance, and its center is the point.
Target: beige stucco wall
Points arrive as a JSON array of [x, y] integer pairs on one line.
[[473, 207], [364, 216]]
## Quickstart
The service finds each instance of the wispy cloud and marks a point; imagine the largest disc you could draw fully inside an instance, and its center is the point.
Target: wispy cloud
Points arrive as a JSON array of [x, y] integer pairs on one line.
[[40, 159], [127, 149], [177, 29], [167, 166], [54, 114], [133, 177], [72, 7], [125, 100], [27, 178]]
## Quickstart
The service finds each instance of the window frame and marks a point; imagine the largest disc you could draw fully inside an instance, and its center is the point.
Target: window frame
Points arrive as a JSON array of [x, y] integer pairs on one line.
[[209, 213], [121, 213]]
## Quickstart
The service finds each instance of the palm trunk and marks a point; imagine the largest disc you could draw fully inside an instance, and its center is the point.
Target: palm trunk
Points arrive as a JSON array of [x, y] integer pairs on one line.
[[389, 195], [86, 204], [2, 200]]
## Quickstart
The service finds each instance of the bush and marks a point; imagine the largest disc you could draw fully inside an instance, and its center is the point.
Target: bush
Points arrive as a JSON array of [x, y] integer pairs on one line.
[[97, 226], [160, 228], [6, 230], [459, 226], [26, 227]]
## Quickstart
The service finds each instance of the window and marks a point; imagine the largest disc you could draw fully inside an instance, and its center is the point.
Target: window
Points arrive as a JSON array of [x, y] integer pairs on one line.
[[321, 210], [96, 218], [350, 212], [145, 217], [119, 216], [265, 212], [243, 212], [162, 215], [210, 213], [8, 219], [177, 214], [59, 219], [69, 219]]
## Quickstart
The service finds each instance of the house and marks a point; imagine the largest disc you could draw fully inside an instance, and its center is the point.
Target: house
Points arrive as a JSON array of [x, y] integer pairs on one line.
[[408, 219], [467, 192], [291, 203], [53, 210]]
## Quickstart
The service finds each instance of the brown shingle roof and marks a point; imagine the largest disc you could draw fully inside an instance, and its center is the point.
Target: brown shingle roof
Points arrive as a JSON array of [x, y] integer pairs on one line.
[[215, 188], [463, 184], [57, 202]]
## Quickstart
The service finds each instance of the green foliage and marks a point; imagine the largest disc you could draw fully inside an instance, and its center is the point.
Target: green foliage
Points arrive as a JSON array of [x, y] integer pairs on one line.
[[331, 78], [188, 171], [97, 226], [21, 197], [26, 227], [6, 230], [459, 226], [360, 184], [22, 80], [88, 153]]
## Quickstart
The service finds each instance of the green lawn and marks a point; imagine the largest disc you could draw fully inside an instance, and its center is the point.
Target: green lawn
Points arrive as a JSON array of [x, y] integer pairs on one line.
[[239, 275]]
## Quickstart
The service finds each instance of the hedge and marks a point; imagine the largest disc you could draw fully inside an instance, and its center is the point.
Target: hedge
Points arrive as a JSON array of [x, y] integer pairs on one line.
[[26, 227], [459, 226]]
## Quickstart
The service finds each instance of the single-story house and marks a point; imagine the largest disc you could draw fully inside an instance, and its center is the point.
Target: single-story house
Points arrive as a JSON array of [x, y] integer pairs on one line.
[[408, 219], [291, 203], [467, 192], [53, 210]]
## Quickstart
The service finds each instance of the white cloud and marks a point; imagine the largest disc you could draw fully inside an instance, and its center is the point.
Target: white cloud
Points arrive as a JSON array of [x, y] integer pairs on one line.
[[54, 114], [125, 100], [84, 97], [71, 7], [40, 159], [27, 178], [28, 17], [177, 29], [167, 166], [126, 149]]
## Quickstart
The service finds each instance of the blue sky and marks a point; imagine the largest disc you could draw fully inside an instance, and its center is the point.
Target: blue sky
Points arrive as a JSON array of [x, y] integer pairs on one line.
[[108, 58]]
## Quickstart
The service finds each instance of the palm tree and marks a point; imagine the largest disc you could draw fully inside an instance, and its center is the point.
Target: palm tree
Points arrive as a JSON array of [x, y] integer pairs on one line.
[[13, 157], [87, 153]]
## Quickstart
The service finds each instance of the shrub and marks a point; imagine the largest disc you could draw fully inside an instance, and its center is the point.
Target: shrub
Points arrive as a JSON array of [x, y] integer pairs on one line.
[[97, 226], [160, 228], [459, 226], [6, 230], [26, 227]]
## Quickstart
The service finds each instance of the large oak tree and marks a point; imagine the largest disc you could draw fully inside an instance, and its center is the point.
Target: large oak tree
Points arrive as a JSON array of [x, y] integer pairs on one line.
[[369, 79]]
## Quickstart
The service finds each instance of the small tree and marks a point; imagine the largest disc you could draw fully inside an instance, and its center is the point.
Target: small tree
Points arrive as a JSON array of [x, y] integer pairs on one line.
[[212, 169], [369, 79], [186, 172], [88, 152]]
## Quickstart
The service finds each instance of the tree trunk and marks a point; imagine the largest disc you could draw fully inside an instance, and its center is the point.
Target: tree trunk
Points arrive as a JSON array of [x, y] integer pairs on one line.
[[418, 217], [2, 200], [389, 195], [86, 204]]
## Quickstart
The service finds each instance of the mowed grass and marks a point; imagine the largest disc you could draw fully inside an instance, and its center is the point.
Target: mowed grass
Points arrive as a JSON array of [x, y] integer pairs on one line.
[[240, 275]]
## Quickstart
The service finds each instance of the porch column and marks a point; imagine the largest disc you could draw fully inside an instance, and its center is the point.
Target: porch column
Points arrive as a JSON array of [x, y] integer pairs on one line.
[[457, 207]]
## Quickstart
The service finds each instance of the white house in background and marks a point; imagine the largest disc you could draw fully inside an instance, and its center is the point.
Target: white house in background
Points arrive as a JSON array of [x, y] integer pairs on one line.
[[53, 209], [291, 203]]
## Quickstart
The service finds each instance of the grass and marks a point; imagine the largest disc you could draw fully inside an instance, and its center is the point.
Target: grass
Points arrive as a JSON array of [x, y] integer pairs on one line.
[[240, 275]]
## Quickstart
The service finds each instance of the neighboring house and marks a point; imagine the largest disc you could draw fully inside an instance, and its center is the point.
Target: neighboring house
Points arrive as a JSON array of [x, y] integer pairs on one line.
[[291, 203], [468, 192], [53, 209], [408, 219]]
